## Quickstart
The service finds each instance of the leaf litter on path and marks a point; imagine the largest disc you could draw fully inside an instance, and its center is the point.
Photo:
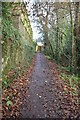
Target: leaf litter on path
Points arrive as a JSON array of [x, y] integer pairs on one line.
[[13, 97], [64, 104]]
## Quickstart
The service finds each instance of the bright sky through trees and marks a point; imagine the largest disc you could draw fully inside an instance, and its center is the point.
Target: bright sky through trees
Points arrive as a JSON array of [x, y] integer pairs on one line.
[[36, 34]]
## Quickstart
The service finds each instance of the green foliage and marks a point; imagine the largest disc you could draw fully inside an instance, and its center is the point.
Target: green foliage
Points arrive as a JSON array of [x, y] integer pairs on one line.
[[64, 38], [64, 68], [15, 52], [4, 81], [9, 103], [48, 57], [72, 79]]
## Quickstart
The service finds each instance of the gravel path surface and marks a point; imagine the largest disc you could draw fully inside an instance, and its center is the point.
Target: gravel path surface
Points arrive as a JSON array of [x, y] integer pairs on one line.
[[42, 93], [46, 97]]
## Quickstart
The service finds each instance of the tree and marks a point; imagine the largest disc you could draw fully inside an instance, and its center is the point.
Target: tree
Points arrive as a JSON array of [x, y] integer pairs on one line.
[[57, 20], [77, 35]]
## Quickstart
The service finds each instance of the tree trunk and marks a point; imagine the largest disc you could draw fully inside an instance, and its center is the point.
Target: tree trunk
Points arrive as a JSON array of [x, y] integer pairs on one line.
[[57, 39], [77, 36], [72, 38]]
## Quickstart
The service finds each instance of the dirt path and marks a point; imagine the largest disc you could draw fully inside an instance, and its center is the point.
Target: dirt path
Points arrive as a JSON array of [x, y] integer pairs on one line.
[[42, 93], [44, 97]]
